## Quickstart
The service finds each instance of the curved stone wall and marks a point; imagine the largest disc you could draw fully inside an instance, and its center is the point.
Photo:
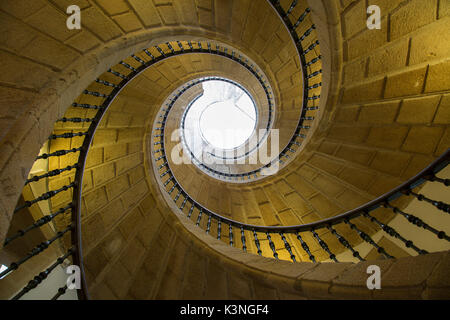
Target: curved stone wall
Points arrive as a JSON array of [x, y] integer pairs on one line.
[[384, 118]]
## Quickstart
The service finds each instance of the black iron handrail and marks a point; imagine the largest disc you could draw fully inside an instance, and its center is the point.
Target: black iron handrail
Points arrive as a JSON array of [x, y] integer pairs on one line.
[[427, 174], [306, 76], [75, 206], [171, 184]]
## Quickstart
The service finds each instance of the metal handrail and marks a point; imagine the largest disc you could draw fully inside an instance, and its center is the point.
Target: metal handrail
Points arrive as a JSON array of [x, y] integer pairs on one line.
[[414, 182], [75, 251]]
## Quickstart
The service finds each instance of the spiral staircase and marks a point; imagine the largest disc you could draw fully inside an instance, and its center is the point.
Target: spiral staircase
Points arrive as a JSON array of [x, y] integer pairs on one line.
[[359, 178]]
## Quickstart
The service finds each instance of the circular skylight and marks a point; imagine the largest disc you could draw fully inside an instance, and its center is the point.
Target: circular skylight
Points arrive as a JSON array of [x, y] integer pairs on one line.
[[227, 114]]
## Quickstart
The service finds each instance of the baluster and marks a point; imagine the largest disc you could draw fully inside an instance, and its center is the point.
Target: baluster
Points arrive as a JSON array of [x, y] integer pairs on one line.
[[291, 7], [219, 228], [393, 233], [287, 246], [258, 245], [314, 60], [305, 247], [199, 217], [316, 85], [170, 47], [106, 83], [86, 106], [67, 135], [168, 181], [51, 174], [438, 204], [244, 246], [311, 47], [345, 243], [36, 250], [191, 210], [160, 158], [180, 45], [126, 65], [164, 173], [313, 98], [96, 94], [208, 226], [315, 73], [58, 153], [272, 246], [61, 291], [44, 220], [301, 18], [138, 60], [45, 196], [231, 234], [173, 188], [75, 120], [324, 246], [178, 195], [307, 33], [149, 54], [432, 177], [160, 51], [118, 74], [184, 203], [368, 239], [417, 222], [33, 283]]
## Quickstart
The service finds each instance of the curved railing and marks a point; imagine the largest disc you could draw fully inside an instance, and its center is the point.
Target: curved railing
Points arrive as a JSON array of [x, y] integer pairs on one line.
[[74, 251], [111, 90], [408, 188], [183, 200], [311, 82], [309, 57]]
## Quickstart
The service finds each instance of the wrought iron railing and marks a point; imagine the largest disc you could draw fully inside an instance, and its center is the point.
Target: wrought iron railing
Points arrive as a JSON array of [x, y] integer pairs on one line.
[[183, 200], [134, 66], [311, 95]]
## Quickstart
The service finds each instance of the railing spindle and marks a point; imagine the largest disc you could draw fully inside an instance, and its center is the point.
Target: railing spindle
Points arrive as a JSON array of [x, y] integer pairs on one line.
[[368, 239], [244, 246], [305, 247], [272, 246], [393, 233], [287, 246]]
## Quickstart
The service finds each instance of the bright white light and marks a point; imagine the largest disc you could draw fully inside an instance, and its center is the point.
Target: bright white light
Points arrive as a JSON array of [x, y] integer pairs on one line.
[[3, 268], [228, 115]]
